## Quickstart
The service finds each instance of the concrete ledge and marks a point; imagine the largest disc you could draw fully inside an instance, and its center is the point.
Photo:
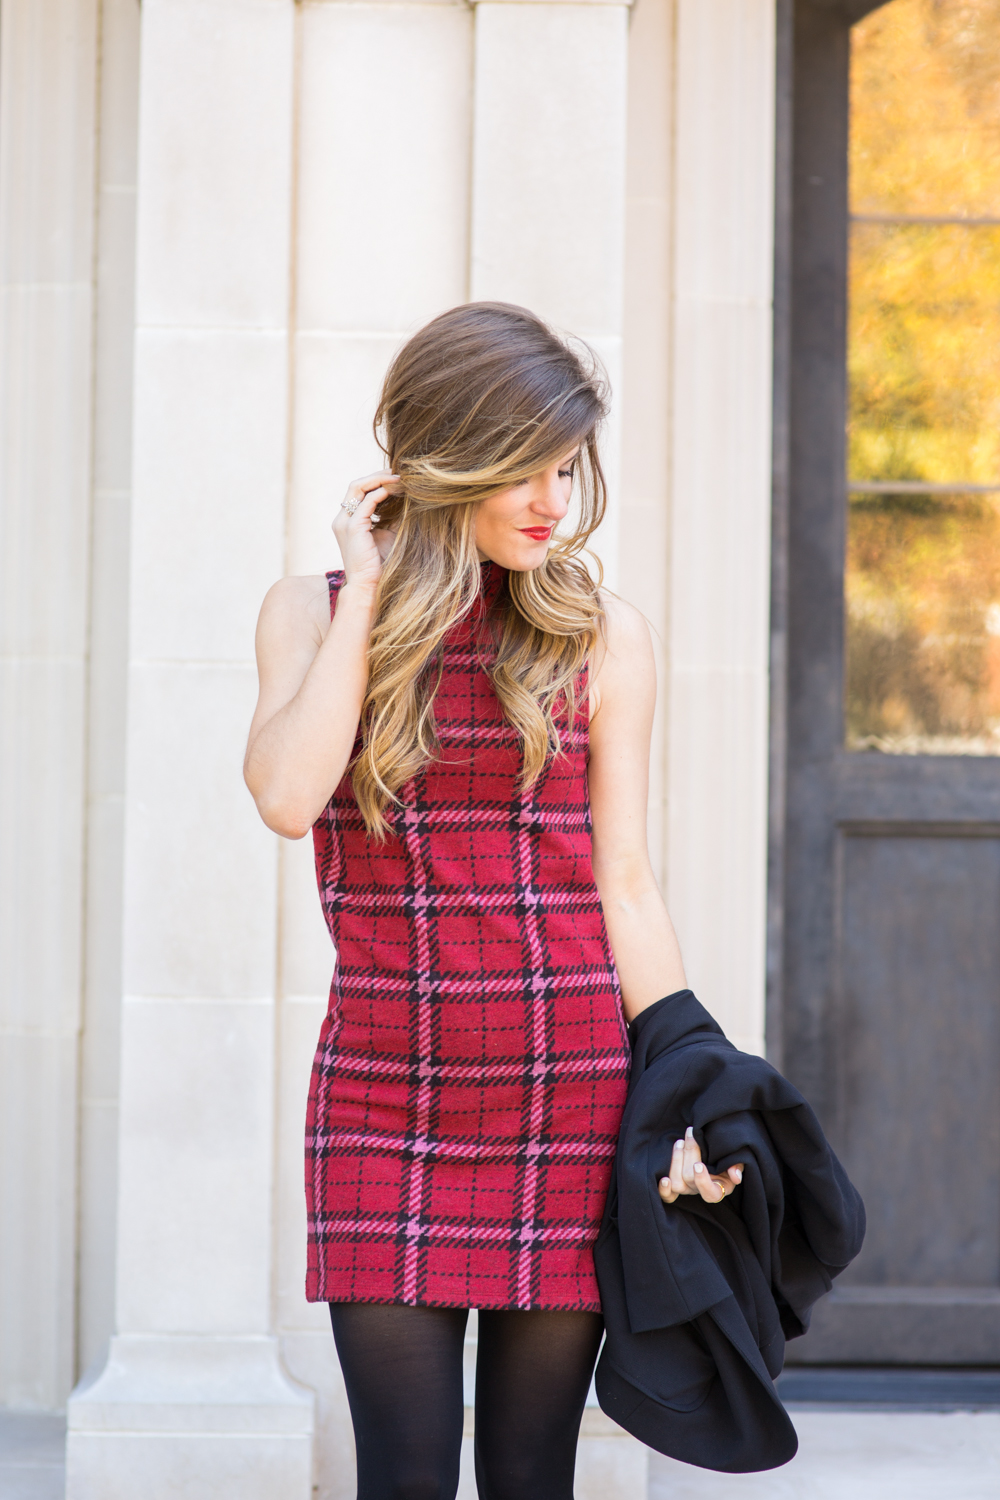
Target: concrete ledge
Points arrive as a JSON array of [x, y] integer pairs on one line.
[[202, 1417]]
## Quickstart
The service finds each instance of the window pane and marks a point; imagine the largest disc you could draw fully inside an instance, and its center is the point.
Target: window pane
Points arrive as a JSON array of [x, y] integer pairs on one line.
[[925, 107], [924, 353], [923, 624], [922, 582]]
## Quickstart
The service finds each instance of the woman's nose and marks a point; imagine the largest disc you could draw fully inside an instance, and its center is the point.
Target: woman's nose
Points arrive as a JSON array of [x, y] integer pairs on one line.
[[552, 500]]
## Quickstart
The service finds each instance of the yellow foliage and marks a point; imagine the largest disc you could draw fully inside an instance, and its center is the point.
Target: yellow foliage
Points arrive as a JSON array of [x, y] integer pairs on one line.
[[924, 329], [925, 109], [923, 573], [923, 622], [924, 353]]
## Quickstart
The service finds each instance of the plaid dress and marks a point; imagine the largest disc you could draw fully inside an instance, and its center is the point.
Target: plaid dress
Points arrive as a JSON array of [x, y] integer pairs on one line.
[[471, 1071]]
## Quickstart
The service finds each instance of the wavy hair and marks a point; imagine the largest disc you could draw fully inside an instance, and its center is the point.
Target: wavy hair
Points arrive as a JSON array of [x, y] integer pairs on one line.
[[482, 397]]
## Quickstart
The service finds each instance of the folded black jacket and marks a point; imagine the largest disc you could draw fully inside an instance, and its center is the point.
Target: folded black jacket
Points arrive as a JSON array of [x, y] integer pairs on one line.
[[699, 1298]]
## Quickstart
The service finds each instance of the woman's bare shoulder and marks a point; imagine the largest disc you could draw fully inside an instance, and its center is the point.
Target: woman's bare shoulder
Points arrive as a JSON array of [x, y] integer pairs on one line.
[[295, 605], [623, 656], [626, 632], [626, 625]]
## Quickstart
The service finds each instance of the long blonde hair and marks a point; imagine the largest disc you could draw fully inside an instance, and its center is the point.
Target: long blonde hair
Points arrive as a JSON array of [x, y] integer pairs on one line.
[[482, 397]]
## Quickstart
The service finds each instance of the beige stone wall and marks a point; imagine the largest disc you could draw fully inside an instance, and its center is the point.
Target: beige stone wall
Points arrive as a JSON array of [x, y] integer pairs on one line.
[[48, 109], [314, 181]]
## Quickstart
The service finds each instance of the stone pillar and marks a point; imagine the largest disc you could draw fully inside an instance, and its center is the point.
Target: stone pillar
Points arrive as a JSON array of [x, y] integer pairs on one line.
[[114, 314], [192, 1397], [719, 569], [48, 75], [647, 365]]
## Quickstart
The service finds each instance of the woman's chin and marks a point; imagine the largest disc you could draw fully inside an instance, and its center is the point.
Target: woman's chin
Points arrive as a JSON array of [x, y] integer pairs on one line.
[[520, 556]]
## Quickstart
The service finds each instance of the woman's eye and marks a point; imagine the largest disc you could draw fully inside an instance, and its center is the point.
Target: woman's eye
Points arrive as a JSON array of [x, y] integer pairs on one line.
[[565, 473]]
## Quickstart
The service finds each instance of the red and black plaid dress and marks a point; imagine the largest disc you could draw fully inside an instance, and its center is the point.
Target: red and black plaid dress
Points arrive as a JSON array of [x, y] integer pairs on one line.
[[471, 1071]]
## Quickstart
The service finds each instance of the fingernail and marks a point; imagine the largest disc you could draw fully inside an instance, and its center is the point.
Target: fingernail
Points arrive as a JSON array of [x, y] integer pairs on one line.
[[678, 1145], [689, 1133], [699, 1166], [739, 1177]]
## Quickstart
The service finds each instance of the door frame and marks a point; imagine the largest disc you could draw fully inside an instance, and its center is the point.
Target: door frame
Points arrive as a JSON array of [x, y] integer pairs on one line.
[[809, 490], [790, 128]]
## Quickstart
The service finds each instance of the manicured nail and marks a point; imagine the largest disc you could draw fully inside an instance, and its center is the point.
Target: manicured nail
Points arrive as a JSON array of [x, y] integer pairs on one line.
[[699, 1166], [738, 1177], [689, 1133], [678, 1145]]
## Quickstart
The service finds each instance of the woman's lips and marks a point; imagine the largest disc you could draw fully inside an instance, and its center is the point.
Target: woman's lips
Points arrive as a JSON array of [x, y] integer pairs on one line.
[[537, 533]]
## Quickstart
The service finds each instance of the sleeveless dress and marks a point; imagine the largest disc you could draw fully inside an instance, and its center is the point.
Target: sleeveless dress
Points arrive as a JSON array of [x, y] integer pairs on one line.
[[471, 1071]]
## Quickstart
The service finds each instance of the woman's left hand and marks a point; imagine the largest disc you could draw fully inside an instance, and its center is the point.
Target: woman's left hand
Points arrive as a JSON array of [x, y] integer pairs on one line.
[[689, 1175]]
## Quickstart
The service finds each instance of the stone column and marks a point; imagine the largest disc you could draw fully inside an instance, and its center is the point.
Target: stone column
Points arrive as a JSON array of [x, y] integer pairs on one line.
[[48, 76], [719, 570], [647, 366], [114, 315], [193, 1397]]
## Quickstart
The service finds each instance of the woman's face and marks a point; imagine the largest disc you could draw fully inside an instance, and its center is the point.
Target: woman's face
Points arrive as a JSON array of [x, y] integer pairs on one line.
[[515, 527]]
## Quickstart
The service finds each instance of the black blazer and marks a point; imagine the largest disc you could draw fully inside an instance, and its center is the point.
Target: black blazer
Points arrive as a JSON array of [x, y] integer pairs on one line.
[[699, 1298]]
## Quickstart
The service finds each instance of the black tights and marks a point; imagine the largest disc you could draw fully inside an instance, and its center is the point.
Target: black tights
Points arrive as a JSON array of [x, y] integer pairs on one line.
[[403, 1371]]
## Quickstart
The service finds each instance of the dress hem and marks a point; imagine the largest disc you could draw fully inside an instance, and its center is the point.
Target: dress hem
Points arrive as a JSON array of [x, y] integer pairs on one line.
[[468, 1306]]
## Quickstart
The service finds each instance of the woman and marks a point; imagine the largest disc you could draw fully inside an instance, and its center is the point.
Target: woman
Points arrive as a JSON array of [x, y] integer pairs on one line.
[[463, 719]]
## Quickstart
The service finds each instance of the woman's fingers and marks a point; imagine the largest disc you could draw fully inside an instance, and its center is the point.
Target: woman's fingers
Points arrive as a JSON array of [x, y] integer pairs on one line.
[[712, 1189], [371, 482], [370, 500], [361, 552], [672, 1186], [689, 1175], [693, 1168], [362, 498]]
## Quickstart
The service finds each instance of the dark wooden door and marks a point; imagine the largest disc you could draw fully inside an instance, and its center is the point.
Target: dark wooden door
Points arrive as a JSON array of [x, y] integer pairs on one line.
[[885, 880]]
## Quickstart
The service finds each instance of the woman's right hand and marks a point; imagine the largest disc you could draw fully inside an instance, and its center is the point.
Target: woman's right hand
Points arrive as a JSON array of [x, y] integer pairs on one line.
[[689, 1175], [355, 534]]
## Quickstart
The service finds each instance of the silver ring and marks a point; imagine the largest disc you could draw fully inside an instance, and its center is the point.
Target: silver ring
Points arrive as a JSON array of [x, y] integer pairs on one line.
[[351, 505]]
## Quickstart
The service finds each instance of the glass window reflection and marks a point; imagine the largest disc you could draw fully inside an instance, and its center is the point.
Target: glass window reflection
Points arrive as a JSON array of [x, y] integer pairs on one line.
[[922, 580]]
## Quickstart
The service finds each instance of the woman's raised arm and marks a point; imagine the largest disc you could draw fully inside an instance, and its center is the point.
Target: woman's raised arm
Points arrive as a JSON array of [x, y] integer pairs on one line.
[[313, 675], [641, 933]]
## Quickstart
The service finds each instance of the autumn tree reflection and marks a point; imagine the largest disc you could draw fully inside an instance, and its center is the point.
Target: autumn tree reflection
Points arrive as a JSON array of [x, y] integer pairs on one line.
[[923, 551]]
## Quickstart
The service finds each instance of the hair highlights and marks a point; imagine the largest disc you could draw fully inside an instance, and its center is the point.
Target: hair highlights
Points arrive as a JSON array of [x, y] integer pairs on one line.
[[484, 396]]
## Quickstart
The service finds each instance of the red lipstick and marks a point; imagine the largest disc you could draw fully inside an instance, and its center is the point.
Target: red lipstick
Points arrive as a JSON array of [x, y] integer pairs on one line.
[[537, 533]]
